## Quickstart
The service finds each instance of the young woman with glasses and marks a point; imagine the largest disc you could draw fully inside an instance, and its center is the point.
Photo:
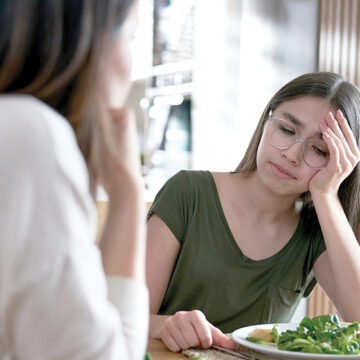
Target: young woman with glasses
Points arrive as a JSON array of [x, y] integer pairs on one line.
[[64, 76], [227, 250]]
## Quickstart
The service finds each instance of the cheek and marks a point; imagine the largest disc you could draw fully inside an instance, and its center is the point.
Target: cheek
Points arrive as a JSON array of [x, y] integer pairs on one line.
[[308, 174], [263, 151]]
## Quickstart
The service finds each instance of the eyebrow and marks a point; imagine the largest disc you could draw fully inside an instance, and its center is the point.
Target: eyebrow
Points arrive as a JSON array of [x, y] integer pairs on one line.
[[298, 122], [292, 119]]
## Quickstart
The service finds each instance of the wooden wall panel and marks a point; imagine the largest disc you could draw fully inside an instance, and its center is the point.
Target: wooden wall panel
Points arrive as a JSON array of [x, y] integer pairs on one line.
[[339, 38], [319, 303], [339, 51]]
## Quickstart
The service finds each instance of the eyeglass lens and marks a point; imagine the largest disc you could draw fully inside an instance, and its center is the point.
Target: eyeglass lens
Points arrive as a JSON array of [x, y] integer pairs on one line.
[[282, 135]]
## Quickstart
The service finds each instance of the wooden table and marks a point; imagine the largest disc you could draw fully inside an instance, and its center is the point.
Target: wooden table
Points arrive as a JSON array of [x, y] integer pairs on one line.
[[159, 351]]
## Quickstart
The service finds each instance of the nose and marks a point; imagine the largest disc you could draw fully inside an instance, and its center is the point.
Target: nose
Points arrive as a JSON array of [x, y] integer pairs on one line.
[[294, 152]]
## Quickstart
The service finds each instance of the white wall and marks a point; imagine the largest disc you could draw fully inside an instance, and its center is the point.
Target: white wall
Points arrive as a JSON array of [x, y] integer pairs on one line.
[[245, 50], [301, 311]]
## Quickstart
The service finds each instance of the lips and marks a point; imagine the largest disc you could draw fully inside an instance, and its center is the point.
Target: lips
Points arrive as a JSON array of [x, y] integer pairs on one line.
[[282, 172]]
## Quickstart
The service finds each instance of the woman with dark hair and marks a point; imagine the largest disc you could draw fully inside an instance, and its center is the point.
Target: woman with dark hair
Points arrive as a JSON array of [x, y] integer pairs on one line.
[[64, 76], [244, 247]]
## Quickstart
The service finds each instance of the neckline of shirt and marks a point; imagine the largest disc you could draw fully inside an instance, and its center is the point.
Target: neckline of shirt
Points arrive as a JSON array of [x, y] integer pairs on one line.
[[221, 214]]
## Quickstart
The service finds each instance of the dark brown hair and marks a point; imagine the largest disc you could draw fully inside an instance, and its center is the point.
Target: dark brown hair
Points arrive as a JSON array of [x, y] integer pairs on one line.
[[52, 49], [342, 95]]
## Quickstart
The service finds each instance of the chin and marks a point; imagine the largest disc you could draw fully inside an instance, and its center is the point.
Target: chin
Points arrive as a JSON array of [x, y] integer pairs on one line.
[[280, 187]]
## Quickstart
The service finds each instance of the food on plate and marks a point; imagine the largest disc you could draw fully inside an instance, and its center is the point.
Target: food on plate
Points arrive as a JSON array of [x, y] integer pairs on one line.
[[261, 334], [321, 334]]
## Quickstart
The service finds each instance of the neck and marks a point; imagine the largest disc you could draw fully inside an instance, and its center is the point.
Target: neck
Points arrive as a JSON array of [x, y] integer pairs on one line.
[[264, 203]]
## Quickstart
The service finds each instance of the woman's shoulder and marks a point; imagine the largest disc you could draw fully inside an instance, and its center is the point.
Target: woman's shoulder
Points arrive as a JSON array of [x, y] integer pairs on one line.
[[26, 107], [185, 183], [225, 179], [201, 178], [29, 121], [35, 137], [191, 178], [222, 176]]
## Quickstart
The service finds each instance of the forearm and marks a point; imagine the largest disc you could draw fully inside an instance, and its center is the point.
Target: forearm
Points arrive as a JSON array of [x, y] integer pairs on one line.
[[344, 254], [122, 242]]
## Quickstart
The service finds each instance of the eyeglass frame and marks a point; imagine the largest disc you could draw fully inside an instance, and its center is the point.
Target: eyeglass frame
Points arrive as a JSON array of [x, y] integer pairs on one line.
[[298, 139]]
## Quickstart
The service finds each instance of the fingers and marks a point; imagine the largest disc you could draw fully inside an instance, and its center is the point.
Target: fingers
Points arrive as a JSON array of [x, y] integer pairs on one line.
[[119, 154], [334, 126], [175, 330], [202, 328], [124, 127], [348, 134], [189, 329], [186, 329], [340, 130], [329, 138], [122, 117], [170, 342], [341, 142], [221, 339]]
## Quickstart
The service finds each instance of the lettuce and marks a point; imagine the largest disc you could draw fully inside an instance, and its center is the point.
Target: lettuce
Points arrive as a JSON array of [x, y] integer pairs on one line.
[[322, 335]]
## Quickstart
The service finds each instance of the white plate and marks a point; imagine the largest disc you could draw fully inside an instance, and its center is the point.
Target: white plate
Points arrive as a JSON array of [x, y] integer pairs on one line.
[[241, 334]]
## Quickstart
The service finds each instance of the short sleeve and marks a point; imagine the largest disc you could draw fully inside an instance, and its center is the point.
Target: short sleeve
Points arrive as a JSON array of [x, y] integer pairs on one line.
[[173, 204]]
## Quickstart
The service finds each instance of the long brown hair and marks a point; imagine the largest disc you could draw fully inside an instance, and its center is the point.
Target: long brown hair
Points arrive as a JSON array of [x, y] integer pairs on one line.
[[342, 95], [52, 49]]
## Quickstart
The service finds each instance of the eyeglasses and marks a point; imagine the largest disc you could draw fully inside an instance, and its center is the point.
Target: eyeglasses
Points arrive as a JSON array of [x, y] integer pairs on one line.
[[282, 135]]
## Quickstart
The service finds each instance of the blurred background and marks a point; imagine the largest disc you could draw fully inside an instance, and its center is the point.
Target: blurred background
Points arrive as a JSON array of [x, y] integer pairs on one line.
[[205, 69], [212, 66]]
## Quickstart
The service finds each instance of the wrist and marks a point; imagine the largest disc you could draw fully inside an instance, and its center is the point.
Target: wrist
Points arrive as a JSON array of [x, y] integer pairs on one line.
[[327, 198], [124, 191], [130, 202], [156, 323]]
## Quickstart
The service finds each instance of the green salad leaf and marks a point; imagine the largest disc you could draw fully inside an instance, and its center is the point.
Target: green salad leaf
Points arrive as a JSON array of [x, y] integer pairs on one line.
[[321, 335], [260, 341], [275, 334]]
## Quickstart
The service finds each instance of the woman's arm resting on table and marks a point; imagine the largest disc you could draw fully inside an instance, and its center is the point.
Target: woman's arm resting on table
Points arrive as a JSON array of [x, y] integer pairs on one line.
[[185, 328]]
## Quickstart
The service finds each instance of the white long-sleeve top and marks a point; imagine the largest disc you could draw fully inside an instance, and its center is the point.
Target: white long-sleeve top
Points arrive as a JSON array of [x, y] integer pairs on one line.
[[55, 301]]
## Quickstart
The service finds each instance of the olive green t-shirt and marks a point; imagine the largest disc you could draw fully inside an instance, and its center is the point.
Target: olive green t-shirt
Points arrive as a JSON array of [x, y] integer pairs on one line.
[[211, 273]]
